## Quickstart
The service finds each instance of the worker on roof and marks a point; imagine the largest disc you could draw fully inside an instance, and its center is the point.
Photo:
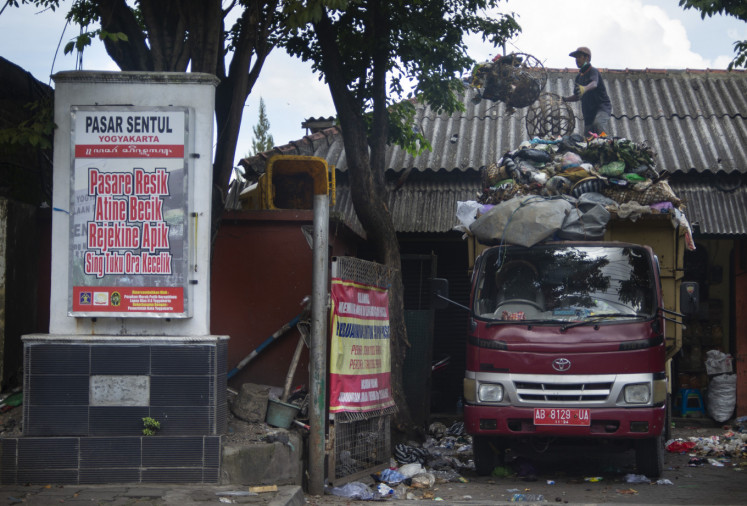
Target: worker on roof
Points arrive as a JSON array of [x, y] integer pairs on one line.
[[589, 88]]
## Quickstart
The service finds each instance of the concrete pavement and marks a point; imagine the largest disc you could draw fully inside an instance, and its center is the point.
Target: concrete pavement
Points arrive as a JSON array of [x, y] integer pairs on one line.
[[122, 495]]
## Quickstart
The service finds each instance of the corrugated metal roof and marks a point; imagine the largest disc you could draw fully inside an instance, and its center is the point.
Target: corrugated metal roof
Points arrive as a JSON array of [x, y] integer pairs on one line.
[[714, 208], [694, 120], [418, 206]]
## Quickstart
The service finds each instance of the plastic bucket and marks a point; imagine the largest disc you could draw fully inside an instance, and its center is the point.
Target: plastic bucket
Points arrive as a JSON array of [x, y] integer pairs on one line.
[[280, 414]]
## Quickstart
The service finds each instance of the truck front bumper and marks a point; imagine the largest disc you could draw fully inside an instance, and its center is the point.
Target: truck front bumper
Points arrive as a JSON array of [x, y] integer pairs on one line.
[[605, 422]]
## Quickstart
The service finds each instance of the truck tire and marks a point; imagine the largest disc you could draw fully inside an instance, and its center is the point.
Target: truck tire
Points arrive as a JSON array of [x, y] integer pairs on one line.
[[487, 452], [649, 456]]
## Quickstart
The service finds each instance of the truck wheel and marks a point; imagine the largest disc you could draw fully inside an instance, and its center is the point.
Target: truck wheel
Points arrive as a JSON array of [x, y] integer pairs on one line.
[[649, 456], [488, 452]]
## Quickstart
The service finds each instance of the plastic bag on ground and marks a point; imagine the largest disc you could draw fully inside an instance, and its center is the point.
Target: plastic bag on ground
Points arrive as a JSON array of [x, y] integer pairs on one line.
[[722, 395], [353, 490], [410, 470], [636, 478], [423, 480], [392, 477]]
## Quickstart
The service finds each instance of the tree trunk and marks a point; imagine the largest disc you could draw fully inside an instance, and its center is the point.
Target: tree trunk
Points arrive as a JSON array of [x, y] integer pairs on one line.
[[368, 193]]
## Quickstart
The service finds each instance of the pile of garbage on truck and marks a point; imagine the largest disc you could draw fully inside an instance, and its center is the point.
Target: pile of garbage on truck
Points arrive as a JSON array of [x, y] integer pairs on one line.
[[568, 188]]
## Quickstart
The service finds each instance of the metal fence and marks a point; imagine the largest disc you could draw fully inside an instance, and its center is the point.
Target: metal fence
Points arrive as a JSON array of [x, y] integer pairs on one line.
[[360, 444]]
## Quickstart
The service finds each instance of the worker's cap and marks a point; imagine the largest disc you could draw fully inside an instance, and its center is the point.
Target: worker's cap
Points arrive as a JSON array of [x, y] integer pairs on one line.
[[580, 51]]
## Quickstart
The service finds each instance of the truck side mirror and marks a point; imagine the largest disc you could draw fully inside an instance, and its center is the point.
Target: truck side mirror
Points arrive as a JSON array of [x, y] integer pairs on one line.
[[439, 293], [689, 298]]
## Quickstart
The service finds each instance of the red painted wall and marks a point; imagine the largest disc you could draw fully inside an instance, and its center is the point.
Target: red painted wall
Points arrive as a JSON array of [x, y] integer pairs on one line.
[[261, 270]]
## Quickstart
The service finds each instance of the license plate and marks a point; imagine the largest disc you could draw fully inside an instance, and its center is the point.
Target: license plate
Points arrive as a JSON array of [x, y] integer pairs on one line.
[[562, 416]]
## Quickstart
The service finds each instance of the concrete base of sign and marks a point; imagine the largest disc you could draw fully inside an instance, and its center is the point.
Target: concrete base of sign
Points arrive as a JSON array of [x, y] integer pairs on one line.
[[86, 400], [105, 385], [275, 463]]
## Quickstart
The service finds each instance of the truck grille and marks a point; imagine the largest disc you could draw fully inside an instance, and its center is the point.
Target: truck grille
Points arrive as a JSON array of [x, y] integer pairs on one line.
[[529, 391]]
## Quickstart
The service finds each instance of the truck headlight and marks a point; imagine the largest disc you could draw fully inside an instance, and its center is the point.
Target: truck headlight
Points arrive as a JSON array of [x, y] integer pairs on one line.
[[639, 393], [490, 392]]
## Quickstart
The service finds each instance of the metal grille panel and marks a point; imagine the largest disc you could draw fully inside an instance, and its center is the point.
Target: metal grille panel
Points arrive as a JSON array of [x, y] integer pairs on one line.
[[361, 447], [562, 392], [361, 271]]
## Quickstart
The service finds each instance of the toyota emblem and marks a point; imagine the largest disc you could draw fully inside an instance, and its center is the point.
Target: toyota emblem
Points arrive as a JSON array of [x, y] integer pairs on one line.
[[561, 364]]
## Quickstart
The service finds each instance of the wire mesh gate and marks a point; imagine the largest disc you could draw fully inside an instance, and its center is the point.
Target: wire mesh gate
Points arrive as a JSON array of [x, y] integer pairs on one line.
[[359, 443]]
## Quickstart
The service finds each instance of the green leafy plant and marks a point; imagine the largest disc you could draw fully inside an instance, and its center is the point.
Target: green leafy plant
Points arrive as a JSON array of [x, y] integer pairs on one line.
[[150, 426]]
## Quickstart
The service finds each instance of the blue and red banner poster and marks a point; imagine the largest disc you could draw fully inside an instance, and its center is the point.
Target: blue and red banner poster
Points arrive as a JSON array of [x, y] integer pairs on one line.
[[128, 211], [359, 351]]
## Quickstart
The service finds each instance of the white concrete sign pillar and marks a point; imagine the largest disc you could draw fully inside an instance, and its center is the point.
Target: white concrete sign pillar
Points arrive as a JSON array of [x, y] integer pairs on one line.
[[132, 204]]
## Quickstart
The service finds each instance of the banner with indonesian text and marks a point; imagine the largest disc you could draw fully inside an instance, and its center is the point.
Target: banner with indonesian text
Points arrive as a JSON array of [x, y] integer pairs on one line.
[[359, 351]]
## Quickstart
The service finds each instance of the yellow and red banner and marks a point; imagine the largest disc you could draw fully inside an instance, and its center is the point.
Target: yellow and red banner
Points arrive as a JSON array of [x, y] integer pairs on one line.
[[359, 351]]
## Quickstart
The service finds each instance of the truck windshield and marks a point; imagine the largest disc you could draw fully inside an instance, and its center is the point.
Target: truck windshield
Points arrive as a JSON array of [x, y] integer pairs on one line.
[[565, 283]]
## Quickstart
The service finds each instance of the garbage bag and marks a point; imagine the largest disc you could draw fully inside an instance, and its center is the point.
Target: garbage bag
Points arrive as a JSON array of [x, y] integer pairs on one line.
[[586, 221], [354, 490], [596, 198], [523, 221], [717, 362], [466, 212], [615, 168], [722, 396], [534, 155]]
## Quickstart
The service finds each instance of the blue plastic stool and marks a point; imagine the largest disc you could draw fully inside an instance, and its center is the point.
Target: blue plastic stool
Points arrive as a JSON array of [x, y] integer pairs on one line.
[[692, 401]]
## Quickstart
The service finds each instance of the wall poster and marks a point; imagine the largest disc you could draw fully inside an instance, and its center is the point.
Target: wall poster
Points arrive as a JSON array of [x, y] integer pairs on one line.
[[359, 362], [129, 251]]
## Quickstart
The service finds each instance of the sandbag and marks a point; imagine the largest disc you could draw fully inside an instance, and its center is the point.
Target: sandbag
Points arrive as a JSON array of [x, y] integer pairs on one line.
[[524, 221]]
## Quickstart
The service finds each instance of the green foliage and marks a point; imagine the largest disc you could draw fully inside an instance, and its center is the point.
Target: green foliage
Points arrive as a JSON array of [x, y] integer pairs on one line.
[[740, 47], [151, 426], [36, 131], [262, 140], [736, 8], [420, 45], [83, 13]]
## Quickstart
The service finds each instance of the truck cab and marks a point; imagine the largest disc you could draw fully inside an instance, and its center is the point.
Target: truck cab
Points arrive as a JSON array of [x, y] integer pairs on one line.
[[566, 340]]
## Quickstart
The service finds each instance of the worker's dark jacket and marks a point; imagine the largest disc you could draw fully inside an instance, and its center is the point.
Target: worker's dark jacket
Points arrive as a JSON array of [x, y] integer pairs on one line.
[[595, 99]]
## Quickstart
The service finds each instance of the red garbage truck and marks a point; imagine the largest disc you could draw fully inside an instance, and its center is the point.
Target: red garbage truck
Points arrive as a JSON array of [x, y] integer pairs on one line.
[[568, 341]]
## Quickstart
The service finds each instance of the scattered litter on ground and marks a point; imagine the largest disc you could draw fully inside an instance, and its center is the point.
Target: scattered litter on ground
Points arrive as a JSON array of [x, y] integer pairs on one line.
[[527, 498], [627, 491], [236, 493], [729, 444], [636, 478], [594, 479]]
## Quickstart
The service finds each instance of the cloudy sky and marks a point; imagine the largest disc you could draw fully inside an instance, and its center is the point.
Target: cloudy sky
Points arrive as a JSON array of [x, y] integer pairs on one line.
[[632, 34]]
